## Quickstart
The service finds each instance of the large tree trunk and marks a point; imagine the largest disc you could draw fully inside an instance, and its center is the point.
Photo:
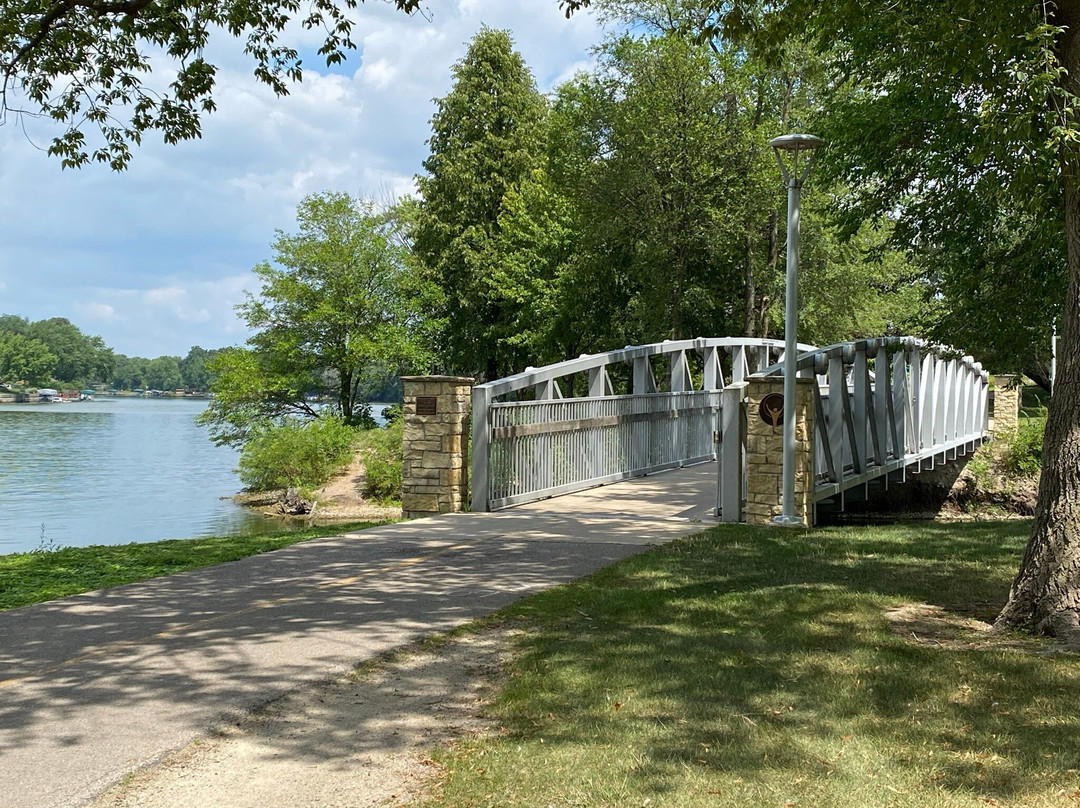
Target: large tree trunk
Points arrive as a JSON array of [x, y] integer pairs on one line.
[[1046, 593]]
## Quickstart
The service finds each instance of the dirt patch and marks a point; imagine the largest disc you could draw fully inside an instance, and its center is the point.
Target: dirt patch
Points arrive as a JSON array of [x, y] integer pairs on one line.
[[993, 495], [363, 740], [925, 624], [340, 500]]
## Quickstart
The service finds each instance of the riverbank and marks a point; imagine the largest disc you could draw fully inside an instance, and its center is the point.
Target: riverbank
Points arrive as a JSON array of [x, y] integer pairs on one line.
[[35, 577], [340, 500], [118, 469]]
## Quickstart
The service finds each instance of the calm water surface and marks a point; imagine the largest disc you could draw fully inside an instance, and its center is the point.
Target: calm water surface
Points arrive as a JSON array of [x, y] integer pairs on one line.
[[113, 471]]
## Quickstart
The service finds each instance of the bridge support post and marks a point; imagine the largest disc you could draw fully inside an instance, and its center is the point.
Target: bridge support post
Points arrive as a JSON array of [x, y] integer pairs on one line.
[[729, 495], [435, 436], [765, 451]]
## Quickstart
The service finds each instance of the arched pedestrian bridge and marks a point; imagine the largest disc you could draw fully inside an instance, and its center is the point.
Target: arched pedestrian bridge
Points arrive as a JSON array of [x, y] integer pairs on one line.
[[873, 412]]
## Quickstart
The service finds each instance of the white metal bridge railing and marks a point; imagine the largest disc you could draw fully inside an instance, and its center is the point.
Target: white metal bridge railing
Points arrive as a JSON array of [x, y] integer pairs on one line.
[[544, 441], [884, 405], [881, 406]]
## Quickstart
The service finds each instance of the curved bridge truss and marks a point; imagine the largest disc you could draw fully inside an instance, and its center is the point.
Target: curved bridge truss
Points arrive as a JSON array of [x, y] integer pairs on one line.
[[890, 404]]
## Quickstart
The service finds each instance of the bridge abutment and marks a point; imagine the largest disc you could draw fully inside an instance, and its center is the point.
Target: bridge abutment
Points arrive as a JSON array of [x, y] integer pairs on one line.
[[435, 429], [765, 451]]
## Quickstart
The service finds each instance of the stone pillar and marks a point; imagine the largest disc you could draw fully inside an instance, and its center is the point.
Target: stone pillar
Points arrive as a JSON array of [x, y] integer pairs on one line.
[[435, 438], [765, 451], [1006, 404]]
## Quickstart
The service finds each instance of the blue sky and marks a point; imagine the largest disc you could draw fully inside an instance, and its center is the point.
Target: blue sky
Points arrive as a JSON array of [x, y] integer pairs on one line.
[[154, 259]]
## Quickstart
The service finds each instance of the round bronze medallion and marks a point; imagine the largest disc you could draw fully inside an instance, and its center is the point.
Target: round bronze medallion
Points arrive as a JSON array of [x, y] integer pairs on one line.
[[771, 409]]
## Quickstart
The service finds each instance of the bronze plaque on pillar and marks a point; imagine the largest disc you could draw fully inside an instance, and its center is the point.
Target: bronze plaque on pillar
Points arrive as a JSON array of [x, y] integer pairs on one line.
[[426, 405], [771, 409]]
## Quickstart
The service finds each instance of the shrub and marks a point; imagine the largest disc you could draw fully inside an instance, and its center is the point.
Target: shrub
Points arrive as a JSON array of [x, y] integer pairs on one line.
[[381, 449], [392, 414], [1023, 452], [296, 454]]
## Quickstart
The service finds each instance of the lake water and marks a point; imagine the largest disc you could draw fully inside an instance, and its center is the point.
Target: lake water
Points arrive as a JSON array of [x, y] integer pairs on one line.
[[113, 471]]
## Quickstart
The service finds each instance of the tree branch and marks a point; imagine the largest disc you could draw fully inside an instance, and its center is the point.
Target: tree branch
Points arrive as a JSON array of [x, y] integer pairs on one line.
[[60, 11]]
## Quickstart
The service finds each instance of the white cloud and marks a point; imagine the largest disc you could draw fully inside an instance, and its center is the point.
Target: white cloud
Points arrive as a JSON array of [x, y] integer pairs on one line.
[[571, 70], [378, 74], [166, 295], [96, 312], [167, 319]]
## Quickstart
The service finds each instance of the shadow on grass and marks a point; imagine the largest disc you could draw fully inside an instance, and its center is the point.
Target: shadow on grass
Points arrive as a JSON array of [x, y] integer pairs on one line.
[[745, 652]]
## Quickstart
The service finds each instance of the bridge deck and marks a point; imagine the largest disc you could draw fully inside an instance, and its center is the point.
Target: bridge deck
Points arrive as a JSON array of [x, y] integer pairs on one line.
[[687, 493]]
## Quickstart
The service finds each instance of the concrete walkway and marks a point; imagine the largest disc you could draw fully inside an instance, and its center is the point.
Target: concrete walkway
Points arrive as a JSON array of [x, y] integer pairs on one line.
[[95, 686]]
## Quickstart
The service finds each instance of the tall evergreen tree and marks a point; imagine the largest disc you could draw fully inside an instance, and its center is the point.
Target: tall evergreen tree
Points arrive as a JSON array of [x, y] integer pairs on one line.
[[487, 138]]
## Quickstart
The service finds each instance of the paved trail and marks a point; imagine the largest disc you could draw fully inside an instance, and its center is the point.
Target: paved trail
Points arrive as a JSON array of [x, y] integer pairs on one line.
[[94, 686]]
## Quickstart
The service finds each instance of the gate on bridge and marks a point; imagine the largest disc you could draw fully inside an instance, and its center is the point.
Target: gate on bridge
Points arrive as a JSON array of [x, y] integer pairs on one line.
[[881, 406]]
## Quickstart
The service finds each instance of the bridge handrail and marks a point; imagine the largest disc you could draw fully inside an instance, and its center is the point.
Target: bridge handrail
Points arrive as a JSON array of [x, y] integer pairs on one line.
[[818, 358], [489, 405], [531, 377], [880, 405]]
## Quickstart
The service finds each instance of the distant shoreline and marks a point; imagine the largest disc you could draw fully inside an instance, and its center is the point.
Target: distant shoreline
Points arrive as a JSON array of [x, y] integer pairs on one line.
[[26, 398]]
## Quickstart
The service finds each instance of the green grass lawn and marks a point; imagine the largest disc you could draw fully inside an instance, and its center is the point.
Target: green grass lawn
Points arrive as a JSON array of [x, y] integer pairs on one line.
[[754, 667], [27, 578]]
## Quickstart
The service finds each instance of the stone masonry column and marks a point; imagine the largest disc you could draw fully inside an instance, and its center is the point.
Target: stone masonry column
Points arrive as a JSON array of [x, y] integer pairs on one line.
[[765, 449], [1006, 404], [435, 437]]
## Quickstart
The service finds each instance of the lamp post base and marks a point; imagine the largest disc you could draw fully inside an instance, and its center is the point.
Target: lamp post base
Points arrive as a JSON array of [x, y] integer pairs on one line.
[[787, 521]]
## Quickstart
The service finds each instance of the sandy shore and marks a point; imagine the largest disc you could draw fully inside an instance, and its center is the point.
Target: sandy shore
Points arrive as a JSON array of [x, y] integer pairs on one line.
[[340, 500]]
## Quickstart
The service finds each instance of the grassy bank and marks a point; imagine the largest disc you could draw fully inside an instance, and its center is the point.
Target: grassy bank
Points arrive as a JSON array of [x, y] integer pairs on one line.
[[27, 578], [748, 667]]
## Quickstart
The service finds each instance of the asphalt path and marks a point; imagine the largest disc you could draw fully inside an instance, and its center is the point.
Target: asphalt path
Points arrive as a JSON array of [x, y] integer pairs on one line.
[[96, 686]]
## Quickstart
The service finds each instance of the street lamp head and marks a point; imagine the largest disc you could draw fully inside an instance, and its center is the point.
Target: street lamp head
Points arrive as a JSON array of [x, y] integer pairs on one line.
[[797, 143], [794, 145]]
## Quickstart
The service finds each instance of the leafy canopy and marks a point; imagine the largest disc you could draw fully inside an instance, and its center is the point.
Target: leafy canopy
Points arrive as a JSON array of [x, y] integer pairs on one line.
[[25, 361], [945, 124], [77, 358]]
